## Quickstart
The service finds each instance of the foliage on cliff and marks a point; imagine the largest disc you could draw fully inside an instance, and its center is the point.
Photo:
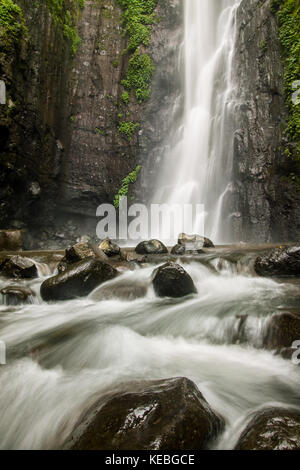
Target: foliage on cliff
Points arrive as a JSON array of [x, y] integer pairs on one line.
[[288, 13], [65, 14], [130, 179], [12, 25]]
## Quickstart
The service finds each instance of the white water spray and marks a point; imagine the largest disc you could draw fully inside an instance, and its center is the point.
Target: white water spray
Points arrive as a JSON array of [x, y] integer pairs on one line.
[[197, 169]]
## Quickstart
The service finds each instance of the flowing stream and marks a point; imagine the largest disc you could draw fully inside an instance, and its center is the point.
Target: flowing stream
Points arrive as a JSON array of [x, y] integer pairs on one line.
[[197, 168], [61, 357]]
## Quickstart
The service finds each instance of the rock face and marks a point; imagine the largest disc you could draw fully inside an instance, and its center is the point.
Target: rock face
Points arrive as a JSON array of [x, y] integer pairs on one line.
[[272, 429], [18, 267], [281, 262], [151, 247], [11, 240], [160, 415], [265, 200], [171, 280], [78, 280], [281, 331]]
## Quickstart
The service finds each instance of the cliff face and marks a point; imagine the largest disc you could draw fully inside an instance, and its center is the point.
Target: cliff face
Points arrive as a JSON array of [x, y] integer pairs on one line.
[[63, 154], [266, 196]]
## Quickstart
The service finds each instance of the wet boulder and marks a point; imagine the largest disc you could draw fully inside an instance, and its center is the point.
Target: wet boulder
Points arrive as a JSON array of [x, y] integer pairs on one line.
[[17, 295], [79, 252], [168, 414], [178, 250], [151, 247], [194, 242], [11, 240], [18, 267], [280, 262], [272, 429], [109, 248], [171, 280], [79, 280], [281, 330]]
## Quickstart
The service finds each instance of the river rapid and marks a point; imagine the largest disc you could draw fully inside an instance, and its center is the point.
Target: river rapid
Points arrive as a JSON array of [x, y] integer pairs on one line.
[[62, 357]]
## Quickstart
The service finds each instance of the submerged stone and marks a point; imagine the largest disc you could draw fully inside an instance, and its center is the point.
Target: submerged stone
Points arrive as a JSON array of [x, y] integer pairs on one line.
[[151, 247], [272, 429], [18, 267], [169, 414], [281, 330], [171, 280], [79, 280]]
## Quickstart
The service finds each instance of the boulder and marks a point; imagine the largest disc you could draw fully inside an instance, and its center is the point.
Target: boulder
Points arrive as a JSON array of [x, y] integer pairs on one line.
[[194, 242], [79, 252], [280, 262], [281, 330], [178, 250], [272, 429], [78, 280], [11, 240], [16, 295], [109, 248], [18, 267], [168, 414], [171, 280], [151, 247], [131, 257]]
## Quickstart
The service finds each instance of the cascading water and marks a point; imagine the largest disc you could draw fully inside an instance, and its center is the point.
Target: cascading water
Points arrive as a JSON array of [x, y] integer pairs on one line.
[[198, 165]]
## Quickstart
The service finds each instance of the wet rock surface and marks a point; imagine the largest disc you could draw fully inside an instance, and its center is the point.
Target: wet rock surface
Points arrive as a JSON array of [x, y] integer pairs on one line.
[[282, 330], [78, 280], [272, 429], [280, 262], [168, 414], [109, 248], [171, 280], [79, 252], [194, 242], [151, 247], [18, 267], [16, 295]]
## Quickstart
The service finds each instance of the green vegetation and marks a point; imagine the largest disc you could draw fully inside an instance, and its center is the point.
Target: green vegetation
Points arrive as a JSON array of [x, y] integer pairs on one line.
[[12, 24], [139, 75], [288, 13], [125, 97], [130, 179], [65, 15], [127, 129]]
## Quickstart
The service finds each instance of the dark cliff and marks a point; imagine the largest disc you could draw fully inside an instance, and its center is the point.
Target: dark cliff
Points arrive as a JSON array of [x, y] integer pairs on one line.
[[266, 175]]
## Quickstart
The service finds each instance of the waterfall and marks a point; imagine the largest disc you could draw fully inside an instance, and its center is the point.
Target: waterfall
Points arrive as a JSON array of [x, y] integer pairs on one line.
[[197, 167]]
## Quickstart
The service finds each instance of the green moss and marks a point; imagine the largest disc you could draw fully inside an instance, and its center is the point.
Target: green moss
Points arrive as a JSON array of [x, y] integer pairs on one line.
[[65, 15], [125, 97], [12, 24], [129, 180], [288, 14], [127, 129], [139, 75]]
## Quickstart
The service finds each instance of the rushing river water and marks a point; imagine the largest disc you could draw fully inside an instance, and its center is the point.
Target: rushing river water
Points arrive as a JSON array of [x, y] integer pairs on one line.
[[61, 357]]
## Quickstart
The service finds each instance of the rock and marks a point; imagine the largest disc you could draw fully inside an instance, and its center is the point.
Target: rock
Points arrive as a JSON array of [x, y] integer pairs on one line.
[[109, 248], [151, 247], [79, 252], [16, 295], [281, 330], [171, 280], [122, 290], [272, 429], [132, 257], [178, 250], [194, 242], [280, 262], [168, 414], [289, 354], [11, 240], [78, 280], [18, 267]]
